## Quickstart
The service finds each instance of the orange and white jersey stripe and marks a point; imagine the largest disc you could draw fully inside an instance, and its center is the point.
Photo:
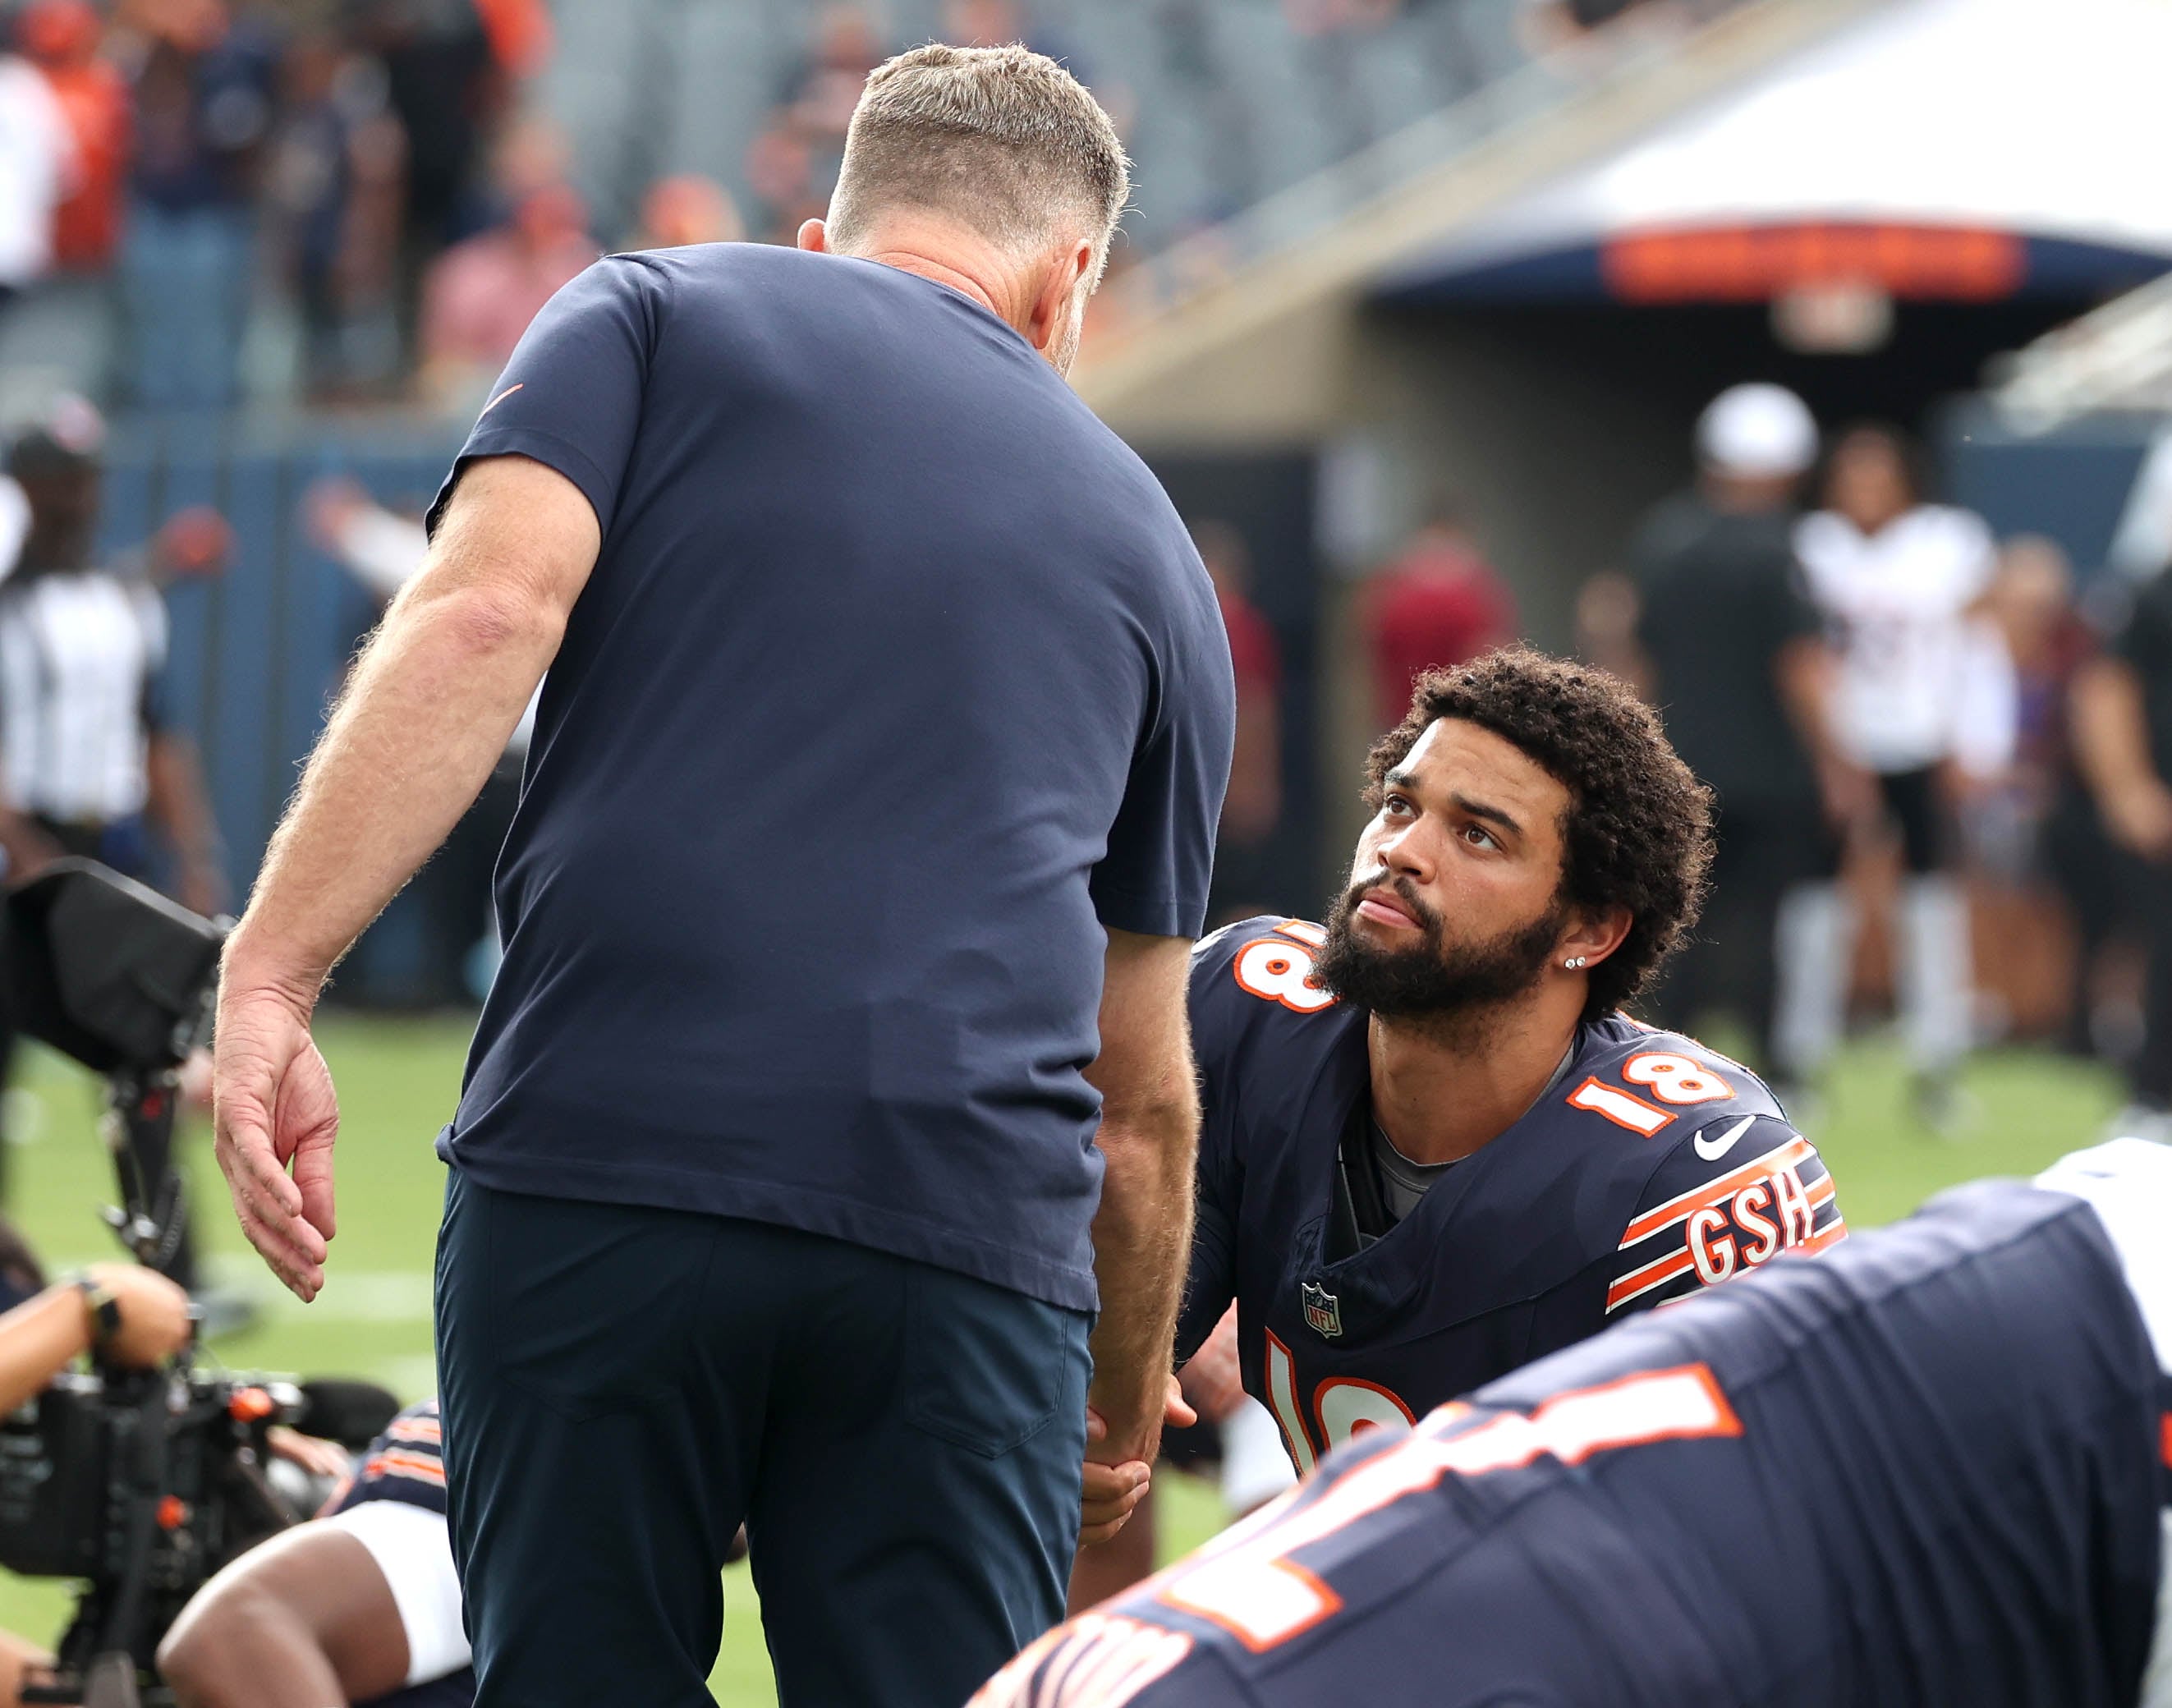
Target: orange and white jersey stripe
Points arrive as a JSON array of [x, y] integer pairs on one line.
[[1765, 1190], [406, 1463]]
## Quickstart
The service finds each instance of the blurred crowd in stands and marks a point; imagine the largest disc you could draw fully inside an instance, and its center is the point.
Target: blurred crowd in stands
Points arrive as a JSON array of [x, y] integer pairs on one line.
[[168, 165], [341, 201]]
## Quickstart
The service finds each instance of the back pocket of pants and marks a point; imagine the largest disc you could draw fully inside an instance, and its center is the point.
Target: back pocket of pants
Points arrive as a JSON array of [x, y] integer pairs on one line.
[[984, 1366]]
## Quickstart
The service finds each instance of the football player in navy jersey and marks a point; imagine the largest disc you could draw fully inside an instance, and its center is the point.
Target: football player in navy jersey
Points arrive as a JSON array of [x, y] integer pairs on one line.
[[359, 1605], [1928, 1472], [1434, 1148]]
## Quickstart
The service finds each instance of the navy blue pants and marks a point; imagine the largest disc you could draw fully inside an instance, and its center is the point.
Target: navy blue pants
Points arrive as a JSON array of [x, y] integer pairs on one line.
[[623, 1386]]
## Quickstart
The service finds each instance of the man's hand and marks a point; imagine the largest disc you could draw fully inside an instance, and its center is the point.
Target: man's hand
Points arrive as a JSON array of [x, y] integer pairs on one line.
[[315, 1454], [154, 1315], [274, 1109], [1118, 1474]]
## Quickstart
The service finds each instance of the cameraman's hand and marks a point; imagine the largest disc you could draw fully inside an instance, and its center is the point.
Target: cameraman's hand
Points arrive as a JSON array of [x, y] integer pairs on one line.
[[154, 1315], [273, 1109]]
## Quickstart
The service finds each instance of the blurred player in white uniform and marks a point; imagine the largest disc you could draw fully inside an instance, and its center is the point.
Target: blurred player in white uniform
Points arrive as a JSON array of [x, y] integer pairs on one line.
[[1897, 578]]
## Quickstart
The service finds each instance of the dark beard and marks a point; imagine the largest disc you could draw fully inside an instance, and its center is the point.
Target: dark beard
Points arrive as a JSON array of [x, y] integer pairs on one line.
[[1428, 981]]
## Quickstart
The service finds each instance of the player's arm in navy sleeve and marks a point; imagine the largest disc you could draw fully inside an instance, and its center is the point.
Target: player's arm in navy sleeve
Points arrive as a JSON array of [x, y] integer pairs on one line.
[[1154, 877], [1211, 1280], [1733, 1194], [1211, 1283], [571, 396]]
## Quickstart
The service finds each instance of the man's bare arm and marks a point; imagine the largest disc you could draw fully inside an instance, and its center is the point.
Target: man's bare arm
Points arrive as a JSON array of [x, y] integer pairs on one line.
[[1149, 1137], [423, 719], [182, 811], [425, 716]]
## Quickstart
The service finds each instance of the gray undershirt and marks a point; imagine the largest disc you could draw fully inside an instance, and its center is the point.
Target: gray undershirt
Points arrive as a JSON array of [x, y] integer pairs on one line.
[[1403, 1183]]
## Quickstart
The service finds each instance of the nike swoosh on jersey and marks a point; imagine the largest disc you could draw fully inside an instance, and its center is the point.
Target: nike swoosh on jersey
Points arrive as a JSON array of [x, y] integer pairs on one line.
[[501, 397], [1713, 1150]]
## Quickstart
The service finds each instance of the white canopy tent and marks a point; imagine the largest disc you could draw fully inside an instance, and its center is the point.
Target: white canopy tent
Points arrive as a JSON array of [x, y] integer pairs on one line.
[[2040, 119]]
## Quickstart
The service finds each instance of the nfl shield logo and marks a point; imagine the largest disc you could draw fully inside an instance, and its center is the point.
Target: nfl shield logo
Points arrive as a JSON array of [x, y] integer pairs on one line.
[[1323, 1313]]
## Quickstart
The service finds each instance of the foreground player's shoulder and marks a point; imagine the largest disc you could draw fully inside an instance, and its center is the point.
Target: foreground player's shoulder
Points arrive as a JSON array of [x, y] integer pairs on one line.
[[407, 1464], [1105, 1659], [1728, 1183]]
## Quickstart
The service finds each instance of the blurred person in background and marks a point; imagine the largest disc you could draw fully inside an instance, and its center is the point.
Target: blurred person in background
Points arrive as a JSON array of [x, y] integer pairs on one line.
[[1437, 604], [92, 762], [452, 70], [821, 93], [62, 39], [481, 295], [129, 1316], [779, 171], [1896, 577], [2122, 710], [2028, 616], [204, 87], [38, 169], [986, 24], [998, 22], [1253, 806], [1730, 650], [687, 208], [337, 160]]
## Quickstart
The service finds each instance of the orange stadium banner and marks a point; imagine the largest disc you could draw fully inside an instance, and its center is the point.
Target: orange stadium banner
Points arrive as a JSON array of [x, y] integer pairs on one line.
[[1755, 263]]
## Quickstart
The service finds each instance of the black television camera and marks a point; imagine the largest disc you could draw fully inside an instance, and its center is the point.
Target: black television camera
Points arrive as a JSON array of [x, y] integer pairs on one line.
[[139, 1483]]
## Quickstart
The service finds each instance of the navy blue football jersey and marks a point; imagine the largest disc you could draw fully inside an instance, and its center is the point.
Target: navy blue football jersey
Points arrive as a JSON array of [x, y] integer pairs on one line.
[[407, 1464], [1651, 1168], [1925, 1473]]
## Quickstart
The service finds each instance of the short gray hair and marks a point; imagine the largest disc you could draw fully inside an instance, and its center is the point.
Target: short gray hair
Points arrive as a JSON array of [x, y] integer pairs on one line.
[[1002, 139]]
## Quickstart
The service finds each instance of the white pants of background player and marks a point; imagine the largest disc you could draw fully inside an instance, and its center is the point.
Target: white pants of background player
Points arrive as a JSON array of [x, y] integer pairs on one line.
[[413, 1548], [2128, 1182]]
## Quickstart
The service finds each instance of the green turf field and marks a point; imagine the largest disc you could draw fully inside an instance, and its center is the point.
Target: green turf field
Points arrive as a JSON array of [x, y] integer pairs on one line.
[[397, 1079]]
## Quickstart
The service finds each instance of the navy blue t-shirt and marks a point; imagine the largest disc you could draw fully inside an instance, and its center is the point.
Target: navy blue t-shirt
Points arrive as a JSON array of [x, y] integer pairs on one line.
[[897, 679]]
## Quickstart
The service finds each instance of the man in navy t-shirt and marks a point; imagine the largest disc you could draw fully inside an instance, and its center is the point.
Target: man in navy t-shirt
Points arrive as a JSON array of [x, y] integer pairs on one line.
[[864, 833]]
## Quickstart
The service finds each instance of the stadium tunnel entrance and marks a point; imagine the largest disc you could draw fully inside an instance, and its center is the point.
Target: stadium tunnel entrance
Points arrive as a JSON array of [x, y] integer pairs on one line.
[[1555, 417]]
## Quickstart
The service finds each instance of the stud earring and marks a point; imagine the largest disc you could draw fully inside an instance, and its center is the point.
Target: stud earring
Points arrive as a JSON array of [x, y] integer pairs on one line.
[[1573, 963]]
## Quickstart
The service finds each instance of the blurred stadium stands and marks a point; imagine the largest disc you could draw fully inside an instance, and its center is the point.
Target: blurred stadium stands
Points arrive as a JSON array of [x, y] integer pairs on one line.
[[1227, 101]]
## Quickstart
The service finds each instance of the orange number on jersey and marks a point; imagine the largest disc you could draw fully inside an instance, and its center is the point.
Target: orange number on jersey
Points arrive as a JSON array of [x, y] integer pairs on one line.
[[1282, 1400], [1676, 1079], [1281, 971], [1344, 1406], [1247, 1584], [1099, 1660]]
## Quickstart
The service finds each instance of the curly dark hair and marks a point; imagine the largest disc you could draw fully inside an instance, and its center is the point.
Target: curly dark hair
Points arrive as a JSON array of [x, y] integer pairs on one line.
[[1637, 831]]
